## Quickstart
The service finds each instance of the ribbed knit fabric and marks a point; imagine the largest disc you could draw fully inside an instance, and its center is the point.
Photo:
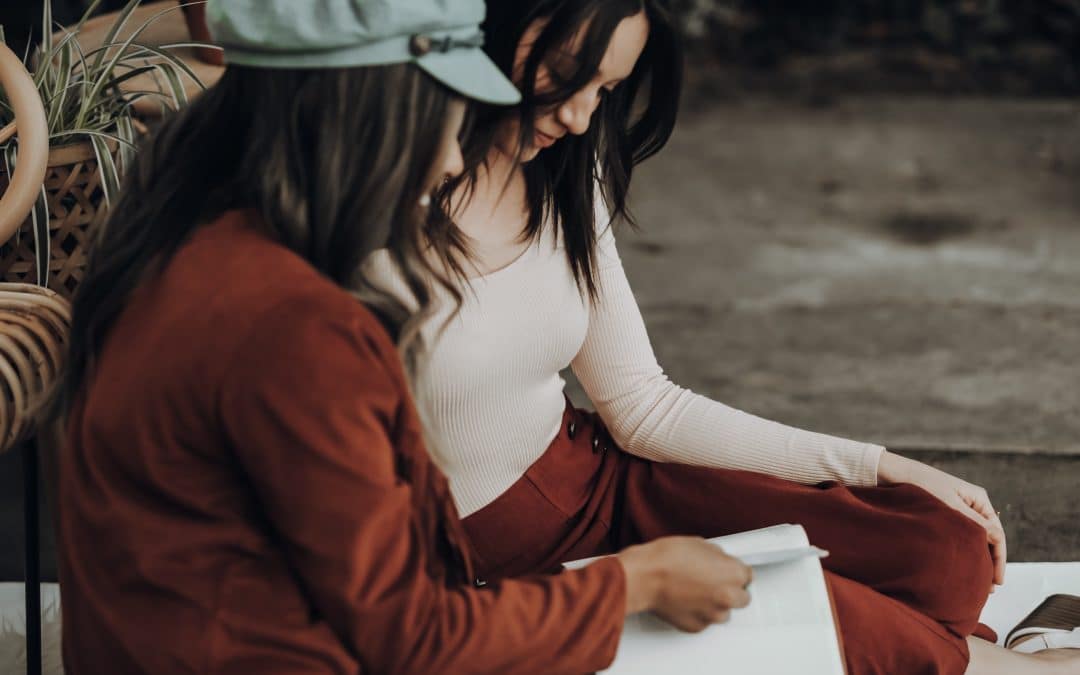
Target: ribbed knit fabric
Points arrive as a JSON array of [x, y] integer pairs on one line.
[[494, 397]]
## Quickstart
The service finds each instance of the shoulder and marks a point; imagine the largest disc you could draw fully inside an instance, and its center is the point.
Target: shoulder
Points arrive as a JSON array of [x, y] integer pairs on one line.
[[282, 309], [320, 331]]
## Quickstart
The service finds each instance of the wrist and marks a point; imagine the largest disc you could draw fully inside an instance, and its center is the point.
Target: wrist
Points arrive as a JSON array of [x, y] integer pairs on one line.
[[643, 579], [893, 469]]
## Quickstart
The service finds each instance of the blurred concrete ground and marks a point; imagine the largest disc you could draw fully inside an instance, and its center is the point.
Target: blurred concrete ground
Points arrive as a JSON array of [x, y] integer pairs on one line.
[[902, 271]]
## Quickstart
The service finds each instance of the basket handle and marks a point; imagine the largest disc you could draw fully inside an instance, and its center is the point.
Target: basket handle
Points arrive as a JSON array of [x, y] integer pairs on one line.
[[25, 185]]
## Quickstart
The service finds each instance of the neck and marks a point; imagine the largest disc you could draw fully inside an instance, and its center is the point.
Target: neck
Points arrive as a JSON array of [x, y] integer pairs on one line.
[[499, 168]]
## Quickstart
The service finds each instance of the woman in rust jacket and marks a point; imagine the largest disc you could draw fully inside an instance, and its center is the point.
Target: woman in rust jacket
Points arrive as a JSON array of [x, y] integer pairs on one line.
[[245, 486]]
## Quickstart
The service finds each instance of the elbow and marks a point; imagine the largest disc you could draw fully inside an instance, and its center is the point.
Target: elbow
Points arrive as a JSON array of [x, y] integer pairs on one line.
[[635, 420]]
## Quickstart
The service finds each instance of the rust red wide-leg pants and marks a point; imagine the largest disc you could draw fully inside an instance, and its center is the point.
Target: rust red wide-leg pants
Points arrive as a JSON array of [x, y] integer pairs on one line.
[[908, 575]]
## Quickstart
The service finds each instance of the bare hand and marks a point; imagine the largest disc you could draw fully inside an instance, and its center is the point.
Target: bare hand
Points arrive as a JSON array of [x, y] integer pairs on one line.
[[970, 500], [686, 581]]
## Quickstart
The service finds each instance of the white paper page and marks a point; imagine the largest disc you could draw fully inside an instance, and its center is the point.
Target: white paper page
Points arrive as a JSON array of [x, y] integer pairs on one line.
[[787, 628], [772, 538]]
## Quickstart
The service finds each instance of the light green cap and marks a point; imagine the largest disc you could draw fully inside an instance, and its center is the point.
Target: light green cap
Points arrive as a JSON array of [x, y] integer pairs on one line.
[[442, 37]]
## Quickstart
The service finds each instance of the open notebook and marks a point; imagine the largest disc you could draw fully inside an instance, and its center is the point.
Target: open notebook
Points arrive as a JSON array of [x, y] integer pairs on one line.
[[787, 628]]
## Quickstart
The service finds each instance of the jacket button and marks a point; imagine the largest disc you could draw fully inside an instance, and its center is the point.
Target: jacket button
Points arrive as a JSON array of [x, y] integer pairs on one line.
[[596, 444], [479, 583], [571, 430]]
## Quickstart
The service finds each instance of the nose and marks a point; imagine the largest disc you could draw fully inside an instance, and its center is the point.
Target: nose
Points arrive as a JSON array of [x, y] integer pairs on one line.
[[575, 113], [455, 163]]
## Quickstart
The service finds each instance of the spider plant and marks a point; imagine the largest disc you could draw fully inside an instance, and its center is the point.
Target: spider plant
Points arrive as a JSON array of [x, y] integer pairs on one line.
[[84, 103]]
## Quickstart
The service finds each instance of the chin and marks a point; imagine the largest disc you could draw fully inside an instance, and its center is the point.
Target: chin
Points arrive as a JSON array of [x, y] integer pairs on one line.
[[528, 154]]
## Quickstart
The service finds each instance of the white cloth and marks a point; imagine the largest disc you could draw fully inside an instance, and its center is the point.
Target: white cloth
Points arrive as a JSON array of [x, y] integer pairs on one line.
[[494, 397], [1026, 585]]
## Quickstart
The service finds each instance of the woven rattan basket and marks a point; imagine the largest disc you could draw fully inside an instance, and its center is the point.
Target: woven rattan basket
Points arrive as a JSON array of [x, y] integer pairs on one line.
[[76, 208], [33, 330]]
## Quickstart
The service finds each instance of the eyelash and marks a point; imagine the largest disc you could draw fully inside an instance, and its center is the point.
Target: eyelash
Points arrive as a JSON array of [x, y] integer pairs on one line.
[[554, 75]]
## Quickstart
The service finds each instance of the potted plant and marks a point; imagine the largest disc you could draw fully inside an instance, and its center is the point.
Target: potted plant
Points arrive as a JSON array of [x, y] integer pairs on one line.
[[92, 134]]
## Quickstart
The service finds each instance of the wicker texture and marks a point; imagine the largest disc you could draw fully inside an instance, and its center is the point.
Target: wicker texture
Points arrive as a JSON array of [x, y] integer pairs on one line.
[[76, 208], [24, 101], [34, 324]]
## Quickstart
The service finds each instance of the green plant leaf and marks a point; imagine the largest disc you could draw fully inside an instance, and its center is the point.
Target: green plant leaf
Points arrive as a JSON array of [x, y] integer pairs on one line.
[[42, 242], [49, 70], [115, 82], [46, 26], [83, 96], [39, 216], [110, 180], [145, 51], [165, 101], [90, 133], [176, 87], [122, 52], [9, 164], [125, 131], [69, 37], [115, 29], [63, 84], [90, 9]]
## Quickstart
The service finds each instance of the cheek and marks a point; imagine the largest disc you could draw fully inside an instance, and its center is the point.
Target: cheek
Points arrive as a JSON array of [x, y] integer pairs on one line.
[[508, 130], [529, 154], [506, 136]]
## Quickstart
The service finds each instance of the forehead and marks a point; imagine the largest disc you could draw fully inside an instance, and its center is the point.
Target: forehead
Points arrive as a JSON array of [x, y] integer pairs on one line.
[[627, 42]]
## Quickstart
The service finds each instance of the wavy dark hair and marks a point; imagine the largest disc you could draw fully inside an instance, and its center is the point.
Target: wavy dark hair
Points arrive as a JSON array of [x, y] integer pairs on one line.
[[332, 164], [631, 123]]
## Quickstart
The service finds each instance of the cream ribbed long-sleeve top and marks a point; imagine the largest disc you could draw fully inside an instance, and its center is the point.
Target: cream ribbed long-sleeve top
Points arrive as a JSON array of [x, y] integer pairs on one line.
[[494, 396]]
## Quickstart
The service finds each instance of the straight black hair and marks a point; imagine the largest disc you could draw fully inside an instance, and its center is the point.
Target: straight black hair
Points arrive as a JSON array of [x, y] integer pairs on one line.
[[631, 123], [332, 164]]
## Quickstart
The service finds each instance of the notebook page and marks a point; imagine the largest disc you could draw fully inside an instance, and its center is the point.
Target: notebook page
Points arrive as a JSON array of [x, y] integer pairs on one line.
[[772, 538], [787, 628]]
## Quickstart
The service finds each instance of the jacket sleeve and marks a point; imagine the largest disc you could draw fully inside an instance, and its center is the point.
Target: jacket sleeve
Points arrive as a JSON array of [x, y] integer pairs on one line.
[[309, 405]]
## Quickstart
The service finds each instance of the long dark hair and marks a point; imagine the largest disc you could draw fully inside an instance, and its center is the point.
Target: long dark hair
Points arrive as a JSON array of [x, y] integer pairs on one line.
[[332, 163], [632, 122]]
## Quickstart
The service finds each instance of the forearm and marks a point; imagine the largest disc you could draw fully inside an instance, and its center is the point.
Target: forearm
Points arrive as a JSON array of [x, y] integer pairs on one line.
[[566, 623], [894, 469], [680, 426]]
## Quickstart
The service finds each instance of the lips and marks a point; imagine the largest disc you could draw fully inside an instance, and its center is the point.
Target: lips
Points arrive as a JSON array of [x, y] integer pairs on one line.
[[544, 140]]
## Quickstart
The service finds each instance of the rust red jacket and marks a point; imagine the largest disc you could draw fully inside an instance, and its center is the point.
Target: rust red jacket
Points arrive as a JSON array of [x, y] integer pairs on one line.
[[245, 490]]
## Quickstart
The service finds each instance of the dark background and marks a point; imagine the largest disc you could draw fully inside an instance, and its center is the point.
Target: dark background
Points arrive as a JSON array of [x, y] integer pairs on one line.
[[987, 46]]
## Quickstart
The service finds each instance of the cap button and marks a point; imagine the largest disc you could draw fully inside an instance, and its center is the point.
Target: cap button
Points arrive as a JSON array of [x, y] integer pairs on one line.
[[419, 45]]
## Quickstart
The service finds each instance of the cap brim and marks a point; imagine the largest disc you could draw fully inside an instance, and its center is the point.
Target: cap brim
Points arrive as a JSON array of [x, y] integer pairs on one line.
[[472, 74]]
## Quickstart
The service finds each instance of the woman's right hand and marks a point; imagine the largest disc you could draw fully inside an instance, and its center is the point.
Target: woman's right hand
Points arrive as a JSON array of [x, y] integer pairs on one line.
[[686, 581]]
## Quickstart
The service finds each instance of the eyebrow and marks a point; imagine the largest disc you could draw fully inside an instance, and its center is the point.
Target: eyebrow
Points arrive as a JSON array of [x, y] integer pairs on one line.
[[562, 53]]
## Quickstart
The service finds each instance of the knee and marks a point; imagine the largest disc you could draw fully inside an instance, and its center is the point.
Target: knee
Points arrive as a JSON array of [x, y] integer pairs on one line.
[[955, 567], [882, 636], [974, 570]]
